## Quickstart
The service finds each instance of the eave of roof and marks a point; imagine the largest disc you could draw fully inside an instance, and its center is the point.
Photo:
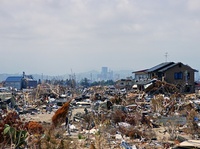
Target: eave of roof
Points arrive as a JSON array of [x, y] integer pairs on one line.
[[140, 71]]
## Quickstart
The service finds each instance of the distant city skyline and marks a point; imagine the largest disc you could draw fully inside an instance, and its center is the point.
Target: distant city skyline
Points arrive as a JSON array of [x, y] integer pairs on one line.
[[91, 75], [56, 37]]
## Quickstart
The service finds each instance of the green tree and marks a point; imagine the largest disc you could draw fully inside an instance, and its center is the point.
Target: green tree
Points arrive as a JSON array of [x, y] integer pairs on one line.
[[85, 82]]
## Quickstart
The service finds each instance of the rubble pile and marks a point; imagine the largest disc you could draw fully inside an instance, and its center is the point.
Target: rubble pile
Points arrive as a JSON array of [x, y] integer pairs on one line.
[[106, 117], [164, 121], [160, 87]]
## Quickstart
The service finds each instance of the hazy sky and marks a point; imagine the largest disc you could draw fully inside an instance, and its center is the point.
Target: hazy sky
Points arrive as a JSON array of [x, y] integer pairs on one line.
[[56, 36]]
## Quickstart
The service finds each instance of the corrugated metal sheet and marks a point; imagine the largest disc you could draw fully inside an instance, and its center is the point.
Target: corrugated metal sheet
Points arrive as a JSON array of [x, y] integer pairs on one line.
[[14, 79]]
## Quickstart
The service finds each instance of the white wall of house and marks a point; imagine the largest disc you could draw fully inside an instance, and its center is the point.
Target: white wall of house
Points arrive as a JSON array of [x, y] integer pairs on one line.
[[141, 77]]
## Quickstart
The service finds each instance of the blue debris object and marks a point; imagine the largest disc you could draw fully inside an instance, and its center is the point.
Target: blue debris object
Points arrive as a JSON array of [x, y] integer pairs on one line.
[[125, 145], [196, 119]]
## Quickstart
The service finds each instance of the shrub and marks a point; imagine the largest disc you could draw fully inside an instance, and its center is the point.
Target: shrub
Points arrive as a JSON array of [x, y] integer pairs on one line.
[[60, 115], [118, 116], [35, 128]]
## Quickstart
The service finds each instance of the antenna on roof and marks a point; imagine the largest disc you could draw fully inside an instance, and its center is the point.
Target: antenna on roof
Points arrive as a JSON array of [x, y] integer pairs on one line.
[[166, 55]]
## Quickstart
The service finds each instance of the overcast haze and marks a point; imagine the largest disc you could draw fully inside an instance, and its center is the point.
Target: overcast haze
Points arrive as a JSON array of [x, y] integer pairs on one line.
[[56, 36]]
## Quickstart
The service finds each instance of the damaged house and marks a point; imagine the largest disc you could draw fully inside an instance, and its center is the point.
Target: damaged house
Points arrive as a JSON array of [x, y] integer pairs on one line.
[[21, 82], [124, 83], [178, 74]]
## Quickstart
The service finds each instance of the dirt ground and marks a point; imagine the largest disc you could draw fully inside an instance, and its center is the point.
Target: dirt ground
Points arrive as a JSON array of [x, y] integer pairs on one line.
[[45, 117]]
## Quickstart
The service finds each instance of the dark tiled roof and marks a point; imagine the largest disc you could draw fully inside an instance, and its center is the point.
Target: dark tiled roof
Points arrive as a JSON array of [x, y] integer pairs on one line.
[[14, 79], [160, 66], [170, 66]]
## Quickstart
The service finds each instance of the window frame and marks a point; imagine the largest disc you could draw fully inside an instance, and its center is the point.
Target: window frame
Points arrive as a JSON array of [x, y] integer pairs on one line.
[[178, 75]]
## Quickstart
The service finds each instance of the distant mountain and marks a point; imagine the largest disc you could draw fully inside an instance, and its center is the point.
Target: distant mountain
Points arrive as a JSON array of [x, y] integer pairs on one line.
[[92, 75], [124, 73]]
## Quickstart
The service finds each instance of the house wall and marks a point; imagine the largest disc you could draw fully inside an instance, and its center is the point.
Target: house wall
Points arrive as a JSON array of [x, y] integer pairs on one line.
[[32, 84], [141, 76], [170, 77], [16, 85], [29, 84], [124, 84]]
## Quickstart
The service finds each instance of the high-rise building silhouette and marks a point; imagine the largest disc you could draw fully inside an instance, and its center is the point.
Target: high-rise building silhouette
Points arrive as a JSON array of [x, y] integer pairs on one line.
[[104, 72]]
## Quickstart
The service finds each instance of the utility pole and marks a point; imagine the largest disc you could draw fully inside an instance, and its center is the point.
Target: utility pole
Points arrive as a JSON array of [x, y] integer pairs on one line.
[[91, 77], [73, 82], [166, 55]]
